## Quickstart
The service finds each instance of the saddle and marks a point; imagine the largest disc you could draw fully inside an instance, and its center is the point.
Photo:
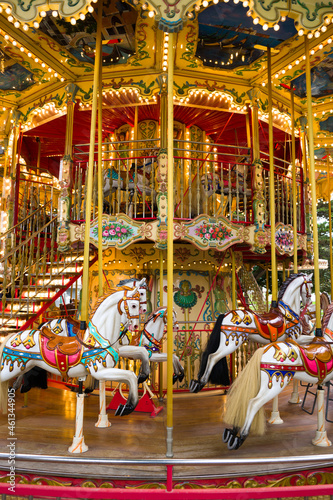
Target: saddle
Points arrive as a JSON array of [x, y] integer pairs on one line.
[[318, 349], [317, 358], [66, 345], [271, 325], [274, 318]]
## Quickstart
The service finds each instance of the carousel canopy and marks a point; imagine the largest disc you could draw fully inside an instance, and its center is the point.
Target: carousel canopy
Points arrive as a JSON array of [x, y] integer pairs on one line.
[[47, 56]]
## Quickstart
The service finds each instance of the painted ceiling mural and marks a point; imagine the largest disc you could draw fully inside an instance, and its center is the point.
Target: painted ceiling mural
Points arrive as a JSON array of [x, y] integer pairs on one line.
[[227, 37], [321, 80], [118, 34]]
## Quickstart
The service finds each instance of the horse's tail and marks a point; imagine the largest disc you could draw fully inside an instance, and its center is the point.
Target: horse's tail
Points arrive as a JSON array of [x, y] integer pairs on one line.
[[3, 384], [246, 387], [219, 374]]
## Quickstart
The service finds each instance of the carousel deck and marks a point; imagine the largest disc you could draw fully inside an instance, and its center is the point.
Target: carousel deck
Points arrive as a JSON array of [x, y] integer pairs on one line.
[[46, 427]]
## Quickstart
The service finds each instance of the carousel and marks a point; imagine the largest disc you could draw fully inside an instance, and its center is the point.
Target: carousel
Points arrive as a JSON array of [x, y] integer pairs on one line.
[[159, 161]]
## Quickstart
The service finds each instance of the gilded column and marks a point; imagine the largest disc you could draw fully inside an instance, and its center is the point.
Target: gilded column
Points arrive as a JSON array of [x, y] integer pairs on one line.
[[65, 174], [259, 213], [162, 163]]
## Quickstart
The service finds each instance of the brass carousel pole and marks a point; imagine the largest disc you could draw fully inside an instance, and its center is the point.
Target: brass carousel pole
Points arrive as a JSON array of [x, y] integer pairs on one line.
[[294, 396], [160, 365], [330, 221], [320, 438], [271, 180], [275, 415], [293, 157], [100, 176], [169, 452], [234, 304], [89, 180], [313, 188], [78, 445], [103, 419]]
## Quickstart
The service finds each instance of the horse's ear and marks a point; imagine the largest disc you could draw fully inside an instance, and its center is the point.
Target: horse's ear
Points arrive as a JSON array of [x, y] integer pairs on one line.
[[141, 283], [134, 291], [310, 276]]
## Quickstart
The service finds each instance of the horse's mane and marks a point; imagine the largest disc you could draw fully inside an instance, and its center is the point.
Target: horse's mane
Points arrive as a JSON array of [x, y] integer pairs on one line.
[[127, 281], [286, 283], [111, 291], [326, 317]]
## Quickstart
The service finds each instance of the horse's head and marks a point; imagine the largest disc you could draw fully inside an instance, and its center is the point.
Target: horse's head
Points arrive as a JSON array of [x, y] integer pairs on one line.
[[306, 290], [129, 306], [142, 287]]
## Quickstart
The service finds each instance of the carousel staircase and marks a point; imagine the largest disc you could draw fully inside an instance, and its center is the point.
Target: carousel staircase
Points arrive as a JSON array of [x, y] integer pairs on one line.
[[34, 275]]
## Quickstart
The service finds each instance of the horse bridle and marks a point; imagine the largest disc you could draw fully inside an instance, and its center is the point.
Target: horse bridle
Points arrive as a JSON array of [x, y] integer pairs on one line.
[[307, 288], [308, 296], [124, 300]]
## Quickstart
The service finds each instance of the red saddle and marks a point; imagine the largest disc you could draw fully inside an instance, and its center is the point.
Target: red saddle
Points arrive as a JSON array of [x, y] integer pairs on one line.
[[271, 325]]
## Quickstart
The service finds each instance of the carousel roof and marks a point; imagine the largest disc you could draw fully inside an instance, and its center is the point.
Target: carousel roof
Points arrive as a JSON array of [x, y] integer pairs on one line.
[[221, 56]]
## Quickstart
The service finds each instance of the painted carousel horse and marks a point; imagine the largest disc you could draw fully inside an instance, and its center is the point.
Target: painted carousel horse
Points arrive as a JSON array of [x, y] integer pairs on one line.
[[232, 329], [138, 181], [269, 371], [91, 351], [69, 326], [151, 338]]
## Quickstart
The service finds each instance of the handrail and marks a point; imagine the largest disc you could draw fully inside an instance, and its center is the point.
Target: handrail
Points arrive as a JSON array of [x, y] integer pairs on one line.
[[288, 459], [46, 306], [33, 235], [24, 220]]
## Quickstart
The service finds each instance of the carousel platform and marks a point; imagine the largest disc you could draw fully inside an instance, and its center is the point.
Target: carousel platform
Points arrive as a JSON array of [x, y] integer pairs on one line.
[[44, 430]]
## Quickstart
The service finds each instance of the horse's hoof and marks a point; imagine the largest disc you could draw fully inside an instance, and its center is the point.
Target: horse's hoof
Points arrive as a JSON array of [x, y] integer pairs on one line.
[[142, 378], [174, 378], [119, 410], [128, 408], [235, 442], [232, 442], [194, 386], [181, 376], [226, 435]]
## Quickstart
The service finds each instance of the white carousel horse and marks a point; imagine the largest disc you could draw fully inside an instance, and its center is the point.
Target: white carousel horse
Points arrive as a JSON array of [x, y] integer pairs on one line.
[[269, 371], [93, 353], [151, 338], [134, 182], [68, 327], [232, 329]]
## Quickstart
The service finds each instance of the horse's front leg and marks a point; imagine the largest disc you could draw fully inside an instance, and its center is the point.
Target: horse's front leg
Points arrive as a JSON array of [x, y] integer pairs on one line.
[[122, 377], [136, 352]]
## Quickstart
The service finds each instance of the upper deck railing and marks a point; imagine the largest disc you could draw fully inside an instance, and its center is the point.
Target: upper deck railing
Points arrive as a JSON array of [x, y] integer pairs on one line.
[[209, 178]]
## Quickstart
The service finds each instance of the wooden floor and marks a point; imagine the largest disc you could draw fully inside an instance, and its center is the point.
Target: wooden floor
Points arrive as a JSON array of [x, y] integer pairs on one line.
[[46, 426]]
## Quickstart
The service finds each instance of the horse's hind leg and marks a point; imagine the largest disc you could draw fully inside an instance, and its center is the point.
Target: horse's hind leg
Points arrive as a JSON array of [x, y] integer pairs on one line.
[[178, 369], [264, 395]]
